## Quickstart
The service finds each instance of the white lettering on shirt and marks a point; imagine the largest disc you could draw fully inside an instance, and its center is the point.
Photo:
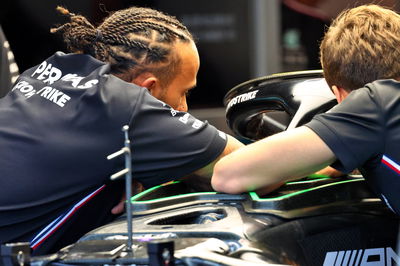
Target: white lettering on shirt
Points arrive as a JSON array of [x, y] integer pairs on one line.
[[49, 74], [54, 95], [47, 92], [173, 112], [222, 134], [75, 80], [25, 88], [185, 118], [88, 84], [197, 124]]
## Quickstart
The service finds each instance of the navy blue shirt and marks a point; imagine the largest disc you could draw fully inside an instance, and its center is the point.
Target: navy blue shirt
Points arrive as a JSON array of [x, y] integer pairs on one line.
[[59, 123], [364, 132]]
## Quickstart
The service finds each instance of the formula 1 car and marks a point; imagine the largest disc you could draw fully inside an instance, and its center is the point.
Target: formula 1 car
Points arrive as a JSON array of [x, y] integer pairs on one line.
[[317, 220]]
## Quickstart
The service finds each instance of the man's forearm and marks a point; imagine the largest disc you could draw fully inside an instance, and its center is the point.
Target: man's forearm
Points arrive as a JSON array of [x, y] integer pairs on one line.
[[284, 156]]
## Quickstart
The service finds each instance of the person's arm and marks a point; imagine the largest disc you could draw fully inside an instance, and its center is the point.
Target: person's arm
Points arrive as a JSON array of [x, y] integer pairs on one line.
[[291, 154], [200, 179], [330, 171]]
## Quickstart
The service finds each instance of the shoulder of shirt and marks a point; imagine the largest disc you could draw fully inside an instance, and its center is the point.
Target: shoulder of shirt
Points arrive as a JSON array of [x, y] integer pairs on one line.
[[383, 87], [377, 84], [117, 80], [129, 85], [108, 76]]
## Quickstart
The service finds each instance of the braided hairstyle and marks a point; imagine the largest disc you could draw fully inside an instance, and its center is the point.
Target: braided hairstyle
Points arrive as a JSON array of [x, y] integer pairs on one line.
[[132, 41]]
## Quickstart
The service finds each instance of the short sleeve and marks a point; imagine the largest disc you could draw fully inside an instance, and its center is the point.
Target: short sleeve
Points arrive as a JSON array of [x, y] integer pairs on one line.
[[168, 144], [353, 129]]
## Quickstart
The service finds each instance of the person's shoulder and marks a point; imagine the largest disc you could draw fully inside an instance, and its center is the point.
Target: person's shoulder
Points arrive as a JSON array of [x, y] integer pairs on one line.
[[384, 88], [383, 84], [116, 81], [123, 89], [76, 59]]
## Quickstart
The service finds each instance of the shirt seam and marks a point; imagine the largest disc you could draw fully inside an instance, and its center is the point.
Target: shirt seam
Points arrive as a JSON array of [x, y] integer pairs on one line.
[[336, 134]]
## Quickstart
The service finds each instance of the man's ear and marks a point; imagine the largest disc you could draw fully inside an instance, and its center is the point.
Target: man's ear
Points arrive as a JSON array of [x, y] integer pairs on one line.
[[340, 93], [149, 81]]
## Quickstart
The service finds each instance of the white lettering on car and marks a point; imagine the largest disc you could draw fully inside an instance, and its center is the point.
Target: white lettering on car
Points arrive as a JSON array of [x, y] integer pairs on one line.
[[371, 256], [242, 98]]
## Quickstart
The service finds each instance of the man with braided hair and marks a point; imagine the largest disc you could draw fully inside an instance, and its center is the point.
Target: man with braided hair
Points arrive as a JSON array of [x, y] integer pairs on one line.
[[64, 116], [360, 58]]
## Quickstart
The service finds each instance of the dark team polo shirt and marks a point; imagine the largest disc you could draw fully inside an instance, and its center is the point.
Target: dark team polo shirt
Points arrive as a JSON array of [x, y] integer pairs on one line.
[[364, 132], [60, 122]]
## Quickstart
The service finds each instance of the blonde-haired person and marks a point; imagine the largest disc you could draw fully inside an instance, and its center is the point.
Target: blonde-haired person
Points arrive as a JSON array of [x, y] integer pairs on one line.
[[360, 58]]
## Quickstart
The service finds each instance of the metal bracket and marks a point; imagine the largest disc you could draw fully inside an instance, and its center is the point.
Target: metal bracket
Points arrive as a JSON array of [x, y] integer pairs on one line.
[[127, 172]]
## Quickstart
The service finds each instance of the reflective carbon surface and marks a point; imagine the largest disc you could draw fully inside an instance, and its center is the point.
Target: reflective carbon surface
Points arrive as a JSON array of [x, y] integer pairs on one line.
[[297, 225], [264, 106]]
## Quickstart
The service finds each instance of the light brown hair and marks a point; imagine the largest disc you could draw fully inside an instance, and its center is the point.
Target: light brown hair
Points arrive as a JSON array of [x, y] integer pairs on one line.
[[361, 45]]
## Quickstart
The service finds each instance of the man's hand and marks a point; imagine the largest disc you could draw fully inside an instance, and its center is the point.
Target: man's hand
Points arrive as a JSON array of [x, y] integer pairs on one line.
[[329, 171], [137, 187], [120, 207]]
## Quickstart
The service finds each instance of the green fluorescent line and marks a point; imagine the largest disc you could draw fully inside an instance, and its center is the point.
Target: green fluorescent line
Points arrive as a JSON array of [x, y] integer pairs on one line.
[[144, 192], [308, 181], [134, 198], [254, 195], [176, 196], [318, 176]]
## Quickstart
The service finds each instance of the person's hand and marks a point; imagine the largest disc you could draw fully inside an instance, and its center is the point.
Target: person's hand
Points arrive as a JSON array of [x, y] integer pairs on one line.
[[329, 171], [120, 207], [137, 187]]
